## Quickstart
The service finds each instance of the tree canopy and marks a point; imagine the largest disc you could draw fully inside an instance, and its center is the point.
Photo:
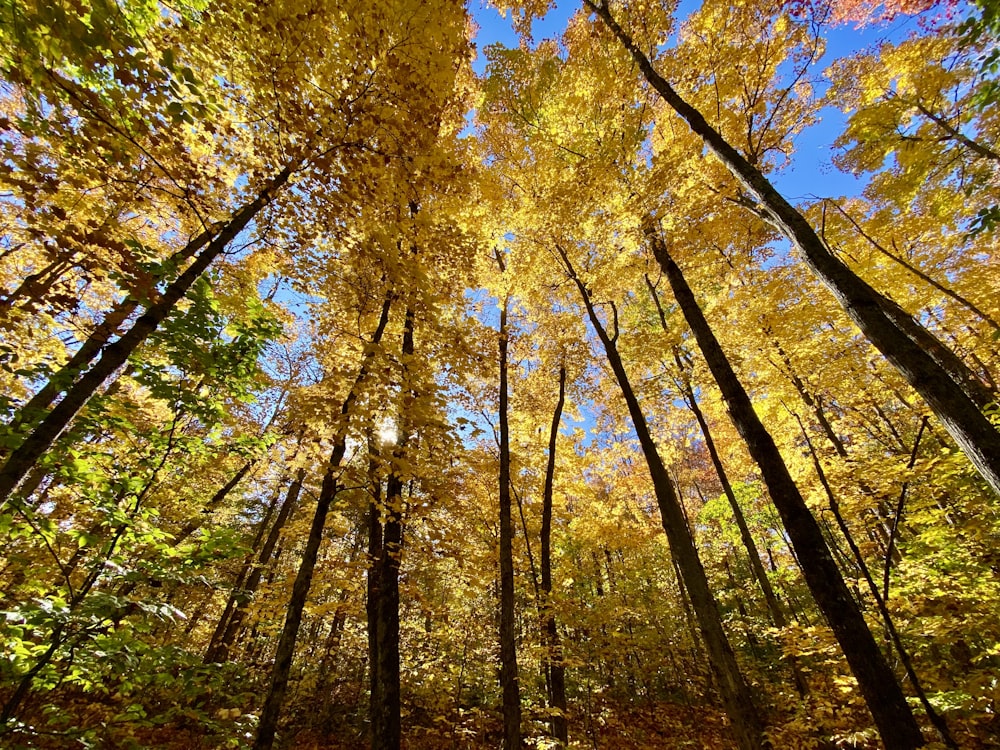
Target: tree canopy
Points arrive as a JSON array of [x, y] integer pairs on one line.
[[355, 398]]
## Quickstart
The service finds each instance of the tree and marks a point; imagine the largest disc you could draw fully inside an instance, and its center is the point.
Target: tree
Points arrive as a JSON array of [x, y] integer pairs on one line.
[[735, 693], [508, 652], [555, 670], [948, 386], [882, 692]]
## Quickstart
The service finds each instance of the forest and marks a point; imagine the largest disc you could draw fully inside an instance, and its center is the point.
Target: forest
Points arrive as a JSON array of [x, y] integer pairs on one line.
[[365, 386]]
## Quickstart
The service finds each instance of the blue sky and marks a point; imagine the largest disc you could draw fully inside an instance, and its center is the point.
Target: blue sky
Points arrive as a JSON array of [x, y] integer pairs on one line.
[[811, 173]]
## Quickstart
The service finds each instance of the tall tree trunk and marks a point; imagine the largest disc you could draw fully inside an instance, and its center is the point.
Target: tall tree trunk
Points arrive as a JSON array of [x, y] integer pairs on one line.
[[113, 356], [897, 517], [555, 671], [231, 601], [242, 594], [950, 388], [890, 626], [878, 684], [216, 500], [736, 698], [508, 648], [36, 406], [773, 605], [756, 566], [385, 700], [285, 650], [372, 582]]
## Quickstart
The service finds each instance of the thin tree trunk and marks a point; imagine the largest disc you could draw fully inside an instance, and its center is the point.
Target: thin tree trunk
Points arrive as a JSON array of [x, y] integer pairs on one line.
[[756, 566], [689, 619], [113, 356], [949, 387], [271, 711], [904, 656], [35, 407], [508, 649], [950, 293], [239, 599], [372, 582], [770, 598], [807, 398], [773, 605], [898, 515], [736, 698], [385, 699], [285, 650], [216, 500], [241, 578], [555, 670], [881, 690]]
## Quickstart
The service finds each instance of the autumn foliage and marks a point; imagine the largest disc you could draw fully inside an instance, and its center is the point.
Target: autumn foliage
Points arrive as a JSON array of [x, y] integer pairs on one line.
[[358, 391]]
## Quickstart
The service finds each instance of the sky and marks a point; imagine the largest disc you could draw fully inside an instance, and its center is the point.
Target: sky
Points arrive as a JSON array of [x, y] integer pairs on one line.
[[811, 173]]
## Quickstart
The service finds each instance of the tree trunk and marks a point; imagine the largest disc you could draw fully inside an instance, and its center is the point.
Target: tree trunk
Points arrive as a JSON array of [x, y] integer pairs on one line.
[[950, 388], [225, 636], [271, 710], [878, 684], [893, 634], [774, 607], [384, 629], [113, 356], [770, 598], [217, 499], [231, 601], [555, 671], [508, 649], [746, 723], [372, 584], [35, 407]]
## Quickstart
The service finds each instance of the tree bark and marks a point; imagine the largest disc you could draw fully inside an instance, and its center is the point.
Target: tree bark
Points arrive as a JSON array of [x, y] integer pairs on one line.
[[372, 581], [384, 629], [555, 671], [893, 634], [508, 648], [773, 605], [737, 701], [949, 387], [113, 356], [35, 407], [223, 640], [878, 684], [216, 500]]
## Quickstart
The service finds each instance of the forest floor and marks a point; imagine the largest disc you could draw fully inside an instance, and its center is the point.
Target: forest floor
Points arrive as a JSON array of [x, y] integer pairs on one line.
[[664, 726], [651, 726]]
